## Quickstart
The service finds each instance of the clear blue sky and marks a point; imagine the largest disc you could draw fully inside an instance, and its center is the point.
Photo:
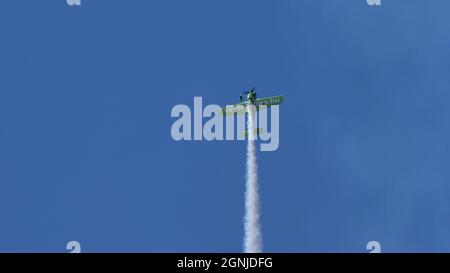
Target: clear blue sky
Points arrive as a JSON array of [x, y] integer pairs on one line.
[[86, 152]]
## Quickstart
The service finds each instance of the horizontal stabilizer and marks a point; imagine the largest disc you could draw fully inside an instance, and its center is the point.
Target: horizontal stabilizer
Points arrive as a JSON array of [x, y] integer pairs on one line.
[[257, 131]]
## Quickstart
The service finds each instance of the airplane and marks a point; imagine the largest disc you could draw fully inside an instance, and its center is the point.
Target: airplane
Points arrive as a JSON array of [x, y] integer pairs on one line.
[[250, 98]]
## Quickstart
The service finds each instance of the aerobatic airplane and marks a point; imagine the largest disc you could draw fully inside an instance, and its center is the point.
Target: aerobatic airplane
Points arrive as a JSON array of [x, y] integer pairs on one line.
[[249, 98]]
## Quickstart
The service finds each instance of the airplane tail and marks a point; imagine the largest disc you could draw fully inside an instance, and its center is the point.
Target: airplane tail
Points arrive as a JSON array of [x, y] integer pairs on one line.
[[257, 132]]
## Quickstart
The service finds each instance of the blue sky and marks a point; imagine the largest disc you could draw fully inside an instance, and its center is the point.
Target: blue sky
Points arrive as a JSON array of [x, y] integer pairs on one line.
[[86, 152]]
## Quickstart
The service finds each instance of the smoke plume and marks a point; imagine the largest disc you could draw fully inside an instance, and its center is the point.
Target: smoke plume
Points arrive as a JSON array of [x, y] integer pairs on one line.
[[253, 237]]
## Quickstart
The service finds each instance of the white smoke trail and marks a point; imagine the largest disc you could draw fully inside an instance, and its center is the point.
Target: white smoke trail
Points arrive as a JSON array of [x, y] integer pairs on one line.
[[253, 237]]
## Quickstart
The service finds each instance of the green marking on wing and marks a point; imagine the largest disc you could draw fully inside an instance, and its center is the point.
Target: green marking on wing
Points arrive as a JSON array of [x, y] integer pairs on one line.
[[269, 101], [234, 109]]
